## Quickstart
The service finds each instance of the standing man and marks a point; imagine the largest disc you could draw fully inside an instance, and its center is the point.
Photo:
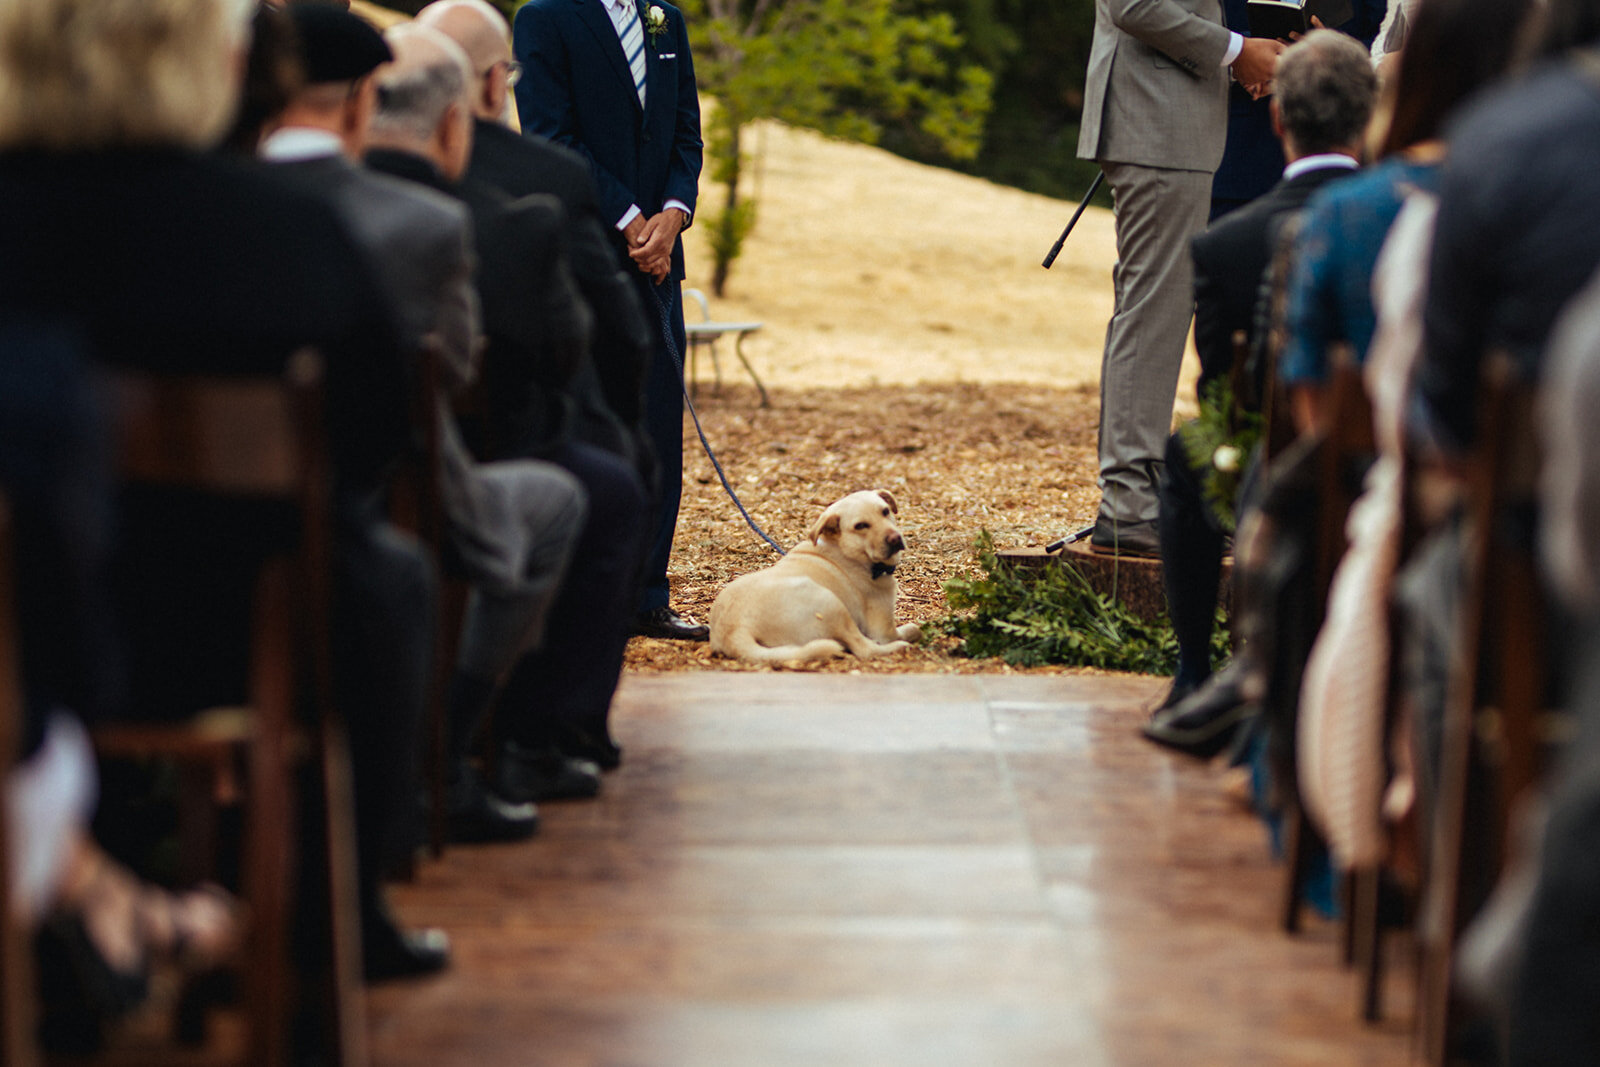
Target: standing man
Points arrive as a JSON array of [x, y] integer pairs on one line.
[[613, 80], [1155, 117]]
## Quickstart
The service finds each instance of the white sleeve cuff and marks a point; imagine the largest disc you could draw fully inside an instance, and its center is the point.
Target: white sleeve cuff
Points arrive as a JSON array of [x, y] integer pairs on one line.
[[681, 206], [628, 216], [1235, 46]]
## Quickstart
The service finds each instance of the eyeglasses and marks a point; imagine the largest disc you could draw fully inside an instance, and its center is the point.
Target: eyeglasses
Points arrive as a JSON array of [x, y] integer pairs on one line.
[[513, 71]]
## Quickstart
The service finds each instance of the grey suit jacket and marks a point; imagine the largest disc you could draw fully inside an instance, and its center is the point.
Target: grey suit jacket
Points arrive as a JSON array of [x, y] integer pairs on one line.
[[1156, 94], [421, 246]]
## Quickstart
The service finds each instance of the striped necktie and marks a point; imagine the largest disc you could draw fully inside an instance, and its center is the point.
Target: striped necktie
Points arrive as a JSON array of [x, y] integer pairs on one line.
[[633, 47]]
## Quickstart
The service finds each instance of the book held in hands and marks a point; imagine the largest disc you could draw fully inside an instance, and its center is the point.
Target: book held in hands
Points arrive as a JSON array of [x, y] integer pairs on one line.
[[1280, 18]]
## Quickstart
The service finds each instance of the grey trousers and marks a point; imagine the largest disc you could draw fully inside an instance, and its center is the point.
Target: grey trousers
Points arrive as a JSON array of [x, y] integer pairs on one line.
[[1159, 211]]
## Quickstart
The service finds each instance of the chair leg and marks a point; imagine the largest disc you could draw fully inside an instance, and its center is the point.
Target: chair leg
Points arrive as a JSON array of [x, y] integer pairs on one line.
[[738, 350], [1298, 850], [348, 1015], [1364, 932]]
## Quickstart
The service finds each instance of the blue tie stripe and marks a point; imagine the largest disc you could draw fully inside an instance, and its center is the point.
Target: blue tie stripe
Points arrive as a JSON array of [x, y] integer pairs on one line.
[[633, 46]]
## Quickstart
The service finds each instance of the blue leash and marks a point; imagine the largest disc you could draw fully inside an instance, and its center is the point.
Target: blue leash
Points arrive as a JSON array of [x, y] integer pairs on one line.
[[677, 358]]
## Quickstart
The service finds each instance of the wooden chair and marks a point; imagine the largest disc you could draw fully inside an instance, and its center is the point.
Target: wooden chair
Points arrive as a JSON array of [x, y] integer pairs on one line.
[[262, 438], [419, 507], [707, 332], [1495, 717], [1345, 450], [17, 1019]]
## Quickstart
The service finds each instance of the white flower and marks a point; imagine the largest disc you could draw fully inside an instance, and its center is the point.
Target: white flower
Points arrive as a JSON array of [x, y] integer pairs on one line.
[[1226, 459], [655, 20]]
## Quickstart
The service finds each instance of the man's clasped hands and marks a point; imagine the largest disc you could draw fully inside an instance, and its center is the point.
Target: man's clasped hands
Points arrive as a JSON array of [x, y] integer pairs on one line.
[[650, 241]]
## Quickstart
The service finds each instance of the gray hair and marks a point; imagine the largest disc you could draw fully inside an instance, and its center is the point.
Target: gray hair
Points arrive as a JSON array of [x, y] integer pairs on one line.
[[431, 73], [1325, 89]]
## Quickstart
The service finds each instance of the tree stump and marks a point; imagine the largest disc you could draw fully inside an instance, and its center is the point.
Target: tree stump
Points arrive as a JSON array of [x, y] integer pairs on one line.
[[1133, 581]]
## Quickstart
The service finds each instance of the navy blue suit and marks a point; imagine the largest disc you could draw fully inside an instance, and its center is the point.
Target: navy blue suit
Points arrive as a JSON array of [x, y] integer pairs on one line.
[[577, 90], [1253, 160]]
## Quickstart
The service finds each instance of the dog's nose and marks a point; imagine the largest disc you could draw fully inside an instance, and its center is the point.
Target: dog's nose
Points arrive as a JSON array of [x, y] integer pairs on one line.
[[896, 543]]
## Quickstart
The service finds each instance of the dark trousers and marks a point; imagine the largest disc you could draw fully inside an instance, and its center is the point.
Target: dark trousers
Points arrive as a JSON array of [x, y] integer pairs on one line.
[[663, 399], [568, 681], [1191, 562], [384, 591]]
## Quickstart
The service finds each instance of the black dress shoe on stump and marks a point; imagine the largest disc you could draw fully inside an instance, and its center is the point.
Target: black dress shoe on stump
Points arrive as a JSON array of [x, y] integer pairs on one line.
[[523, 775], [1203, 724], [389, 953], [668, 625], [1125, 538], [476, 816]]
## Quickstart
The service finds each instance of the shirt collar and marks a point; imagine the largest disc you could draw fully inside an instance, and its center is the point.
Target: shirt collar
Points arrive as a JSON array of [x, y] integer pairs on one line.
[[293, 144], [1307, 164]]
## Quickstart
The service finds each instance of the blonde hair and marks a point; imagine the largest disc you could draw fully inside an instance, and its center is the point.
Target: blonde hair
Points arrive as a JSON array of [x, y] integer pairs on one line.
[[86, 74]]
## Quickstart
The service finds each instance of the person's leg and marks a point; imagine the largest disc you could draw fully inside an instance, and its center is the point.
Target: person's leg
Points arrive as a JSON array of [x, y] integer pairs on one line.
[[1191, 566], [563, 689], [1158, 213], [663, 396]]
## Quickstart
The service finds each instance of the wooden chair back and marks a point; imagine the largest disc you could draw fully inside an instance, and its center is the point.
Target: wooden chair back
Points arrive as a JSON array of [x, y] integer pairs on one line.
[[421, 509], [17, 1018], [264, 438], [1495, 713]]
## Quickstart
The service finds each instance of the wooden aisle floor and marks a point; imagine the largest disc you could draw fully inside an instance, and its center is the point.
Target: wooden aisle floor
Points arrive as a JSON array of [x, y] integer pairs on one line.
[[834, 870]]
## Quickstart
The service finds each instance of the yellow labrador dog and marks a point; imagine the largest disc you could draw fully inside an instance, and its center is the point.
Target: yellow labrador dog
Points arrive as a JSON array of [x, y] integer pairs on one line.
[[832, 594]]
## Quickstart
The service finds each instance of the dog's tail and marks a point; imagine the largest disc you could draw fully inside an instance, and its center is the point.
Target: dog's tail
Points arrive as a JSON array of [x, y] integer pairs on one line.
[[742, 645]]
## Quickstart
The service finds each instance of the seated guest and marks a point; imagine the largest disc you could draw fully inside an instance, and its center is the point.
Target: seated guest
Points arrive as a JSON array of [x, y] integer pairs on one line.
[[1342, 724], [1518, 231], [1555, 977], [607, 393], [1324, 96], [54, 473], [511, 525], [554, 710], [1330, 286], [171, 260]]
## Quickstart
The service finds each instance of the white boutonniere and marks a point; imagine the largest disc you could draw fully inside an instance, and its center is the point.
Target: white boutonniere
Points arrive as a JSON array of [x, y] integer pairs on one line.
[[655, 22]]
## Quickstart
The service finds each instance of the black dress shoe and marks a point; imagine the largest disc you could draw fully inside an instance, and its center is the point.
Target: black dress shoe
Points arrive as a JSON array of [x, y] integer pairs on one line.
[[587, 747], [668, 625], [1126, 538], [1176, 695], [523, 775], [389, 953], [475, 816], [1204, 723]]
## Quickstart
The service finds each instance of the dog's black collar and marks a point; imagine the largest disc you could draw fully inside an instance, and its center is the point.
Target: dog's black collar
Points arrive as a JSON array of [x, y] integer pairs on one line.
[[880, 569]]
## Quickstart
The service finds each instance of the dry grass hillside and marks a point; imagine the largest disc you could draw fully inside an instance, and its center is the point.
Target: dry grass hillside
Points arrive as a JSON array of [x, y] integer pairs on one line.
[[869, 268]]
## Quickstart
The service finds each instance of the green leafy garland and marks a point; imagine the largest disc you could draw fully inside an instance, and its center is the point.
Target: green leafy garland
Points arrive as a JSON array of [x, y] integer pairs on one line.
[[1218, 443], [1055, 616]]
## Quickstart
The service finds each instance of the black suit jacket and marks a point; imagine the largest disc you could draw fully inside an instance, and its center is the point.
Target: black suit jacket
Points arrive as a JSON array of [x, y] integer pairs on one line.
[[1230, 258], [1518, 235], [623, 337], [171, 262], [536, 325], [185, 263]]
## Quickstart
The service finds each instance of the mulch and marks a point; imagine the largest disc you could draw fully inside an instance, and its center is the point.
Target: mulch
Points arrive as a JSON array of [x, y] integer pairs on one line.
[[1016, 460]]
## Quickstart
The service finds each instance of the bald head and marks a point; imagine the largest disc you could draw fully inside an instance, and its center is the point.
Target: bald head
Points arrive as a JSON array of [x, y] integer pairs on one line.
[[483, 35], [423, 104]]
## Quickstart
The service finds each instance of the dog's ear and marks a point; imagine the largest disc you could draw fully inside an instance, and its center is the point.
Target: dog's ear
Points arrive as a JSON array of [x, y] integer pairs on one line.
[[826, 526], [889, 499]]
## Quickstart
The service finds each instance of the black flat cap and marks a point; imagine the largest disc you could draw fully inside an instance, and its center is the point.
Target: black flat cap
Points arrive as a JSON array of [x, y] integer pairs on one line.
[[336, 45]]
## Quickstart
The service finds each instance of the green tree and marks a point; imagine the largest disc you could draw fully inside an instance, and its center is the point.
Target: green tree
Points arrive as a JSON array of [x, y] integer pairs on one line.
[[849, 68]]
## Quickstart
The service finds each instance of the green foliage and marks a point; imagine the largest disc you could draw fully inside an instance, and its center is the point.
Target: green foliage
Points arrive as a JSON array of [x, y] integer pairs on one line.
[[849, 68], [1056, 617], [1222, 426]]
